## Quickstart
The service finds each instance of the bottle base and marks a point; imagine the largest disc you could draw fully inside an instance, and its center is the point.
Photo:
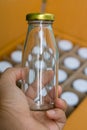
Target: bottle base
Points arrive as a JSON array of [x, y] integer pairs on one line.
[[44, 107]]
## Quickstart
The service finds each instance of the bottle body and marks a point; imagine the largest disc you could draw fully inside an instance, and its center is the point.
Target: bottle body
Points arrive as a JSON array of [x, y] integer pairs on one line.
[[40, 55]]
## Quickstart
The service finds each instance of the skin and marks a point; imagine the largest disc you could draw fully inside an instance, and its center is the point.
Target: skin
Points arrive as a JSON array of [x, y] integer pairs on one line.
[[14, 106]]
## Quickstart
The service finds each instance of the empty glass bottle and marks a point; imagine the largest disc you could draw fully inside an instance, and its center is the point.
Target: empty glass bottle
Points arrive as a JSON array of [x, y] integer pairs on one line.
[[40, 55]]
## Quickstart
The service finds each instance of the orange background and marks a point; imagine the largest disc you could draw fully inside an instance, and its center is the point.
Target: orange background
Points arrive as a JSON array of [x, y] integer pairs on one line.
[[70, 19], [70, 23]]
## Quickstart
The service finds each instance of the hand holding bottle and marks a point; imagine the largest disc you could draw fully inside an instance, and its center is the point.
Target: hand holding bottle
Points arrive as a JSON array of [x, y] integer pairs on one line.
[[14, 106]]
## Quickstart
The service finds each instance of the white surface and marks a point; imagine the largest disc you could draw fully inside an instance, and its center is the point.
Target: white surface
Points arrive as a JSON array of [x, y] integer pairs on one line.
[[71, 98], [40, 64], [62, 75], [53, 62], [43, 92], [46, 55], [71, 63], [4, 65], [65, 45], [85, 71], [30, 57], [36, 50], [80, 85], [27, 64], [26, 87], [16, 56], [82, 52], [31, 76]]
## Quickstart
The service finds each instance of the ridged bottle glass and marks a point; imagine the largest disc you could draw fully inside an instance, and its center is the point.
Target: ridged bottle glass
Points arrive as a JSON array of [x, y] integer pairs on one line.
[[40, 55]]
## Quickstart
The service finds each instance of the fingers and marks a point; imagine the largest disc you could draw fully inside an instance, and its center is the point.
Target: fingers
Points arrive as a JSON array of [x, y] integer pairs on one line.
[[59, 91], [57, 114], [14, 74], [52, 92], [59, 111], [32, 93], [44, 78], [60, 103]]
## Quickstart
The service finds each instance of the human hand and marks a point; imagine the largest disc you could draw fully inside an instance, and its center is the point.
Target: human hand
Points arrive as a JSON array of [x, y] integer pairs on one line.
[[14, 109]]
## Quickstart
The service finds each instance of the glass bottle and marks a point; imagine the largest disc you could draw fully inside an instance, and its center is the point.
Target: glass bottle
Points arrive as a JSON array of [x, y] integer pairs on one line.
[[40, 55]]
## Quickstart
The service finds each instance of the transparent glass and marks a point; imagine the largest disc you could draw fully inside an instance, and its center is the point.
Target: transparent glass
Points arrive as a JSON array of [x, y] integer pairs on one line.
[[40, 55]]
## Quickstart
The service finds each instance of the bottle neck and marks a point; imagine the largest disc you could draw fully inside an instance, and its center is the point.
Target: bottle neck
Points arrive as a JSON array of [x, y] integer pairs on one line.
[[40, 22]]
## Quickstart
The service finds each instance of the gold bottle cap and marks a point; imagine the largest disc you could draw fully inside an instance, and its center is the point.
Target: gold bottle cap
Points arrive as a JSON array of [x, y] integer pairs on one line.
[[40, 16]]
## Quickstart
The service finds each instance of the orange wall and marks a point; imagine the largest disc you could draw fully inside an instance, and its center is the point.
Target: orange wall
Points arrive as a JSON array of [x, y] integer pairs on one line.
[[12, 18], [70, 19]]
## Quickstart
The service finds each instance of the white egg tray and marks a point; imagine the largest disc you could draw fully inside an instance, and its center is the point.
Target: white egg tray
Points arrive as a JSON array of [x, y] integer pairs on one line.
[[69, 71], [74, 63]]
